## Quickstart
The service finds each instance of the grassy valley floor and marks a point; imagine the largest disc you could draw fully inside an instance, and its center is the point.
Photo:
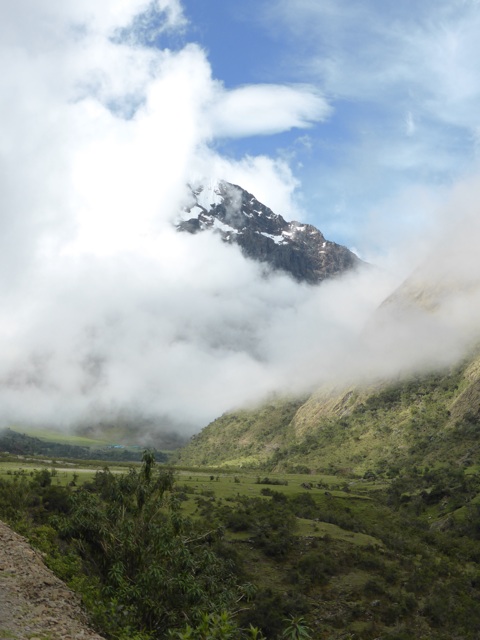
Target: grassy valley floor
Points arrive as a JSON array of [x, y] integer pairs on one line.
[[352, 557]]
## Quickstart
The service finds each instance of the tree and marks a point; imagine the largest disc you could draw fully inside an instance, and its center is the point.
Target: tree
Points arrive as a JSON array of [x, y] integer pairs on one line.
[[156, 567]]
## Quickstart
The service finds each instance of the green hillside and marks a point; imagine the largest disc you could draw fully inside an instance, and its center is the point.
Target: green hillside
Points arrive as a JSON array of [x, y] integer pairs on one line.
[[426, 420], [243, 438]]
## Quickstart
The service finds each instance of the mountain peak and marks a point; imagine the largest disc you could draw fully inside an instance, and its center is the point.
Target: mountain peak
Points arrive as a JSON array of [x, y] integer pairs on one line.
[[208, 194], [293, 247]]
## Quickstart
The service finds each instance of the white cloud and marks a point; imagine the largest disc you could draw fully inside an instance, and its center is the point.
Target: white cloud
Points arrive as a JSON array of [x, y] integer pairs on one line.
[[266, 109], [270, 179], [45, 26], [410, 126], [105, 306]]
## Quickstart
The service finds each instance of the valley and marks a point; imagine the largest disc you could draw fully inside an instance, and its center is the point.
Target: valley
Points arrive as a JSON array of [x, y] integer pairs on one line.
[[385, 549], [351, 512], [347, 512], [240, 338]]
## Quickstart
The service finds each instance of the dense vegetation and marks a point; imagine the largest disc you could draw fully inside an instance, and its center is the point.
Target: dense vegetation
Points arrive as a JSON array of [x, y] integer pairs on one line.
[[336, 558], [410, 579], [143, 569], [349, 515]]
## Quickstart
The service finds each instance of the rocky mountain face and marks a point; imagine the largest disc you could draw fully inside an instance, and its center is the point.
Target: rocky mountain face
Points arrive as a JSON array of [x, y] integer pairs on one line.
[[295, 248]]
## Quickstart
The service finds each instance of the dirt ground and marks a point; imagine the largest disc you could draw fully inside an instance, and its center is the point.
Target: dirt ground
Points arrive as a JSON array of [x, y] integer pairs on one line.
[[34, 604]]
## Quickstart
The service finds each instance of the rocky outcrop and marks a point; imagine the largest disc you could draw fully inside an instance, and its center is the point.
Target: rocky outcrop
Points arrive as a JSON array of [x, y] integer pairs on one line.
[[34, 603]]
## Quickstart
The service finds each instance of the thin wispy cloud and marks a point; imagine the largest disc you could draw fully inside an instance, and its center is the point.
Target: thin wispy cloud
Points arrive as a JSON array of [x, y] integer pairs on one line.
[[376, 62]]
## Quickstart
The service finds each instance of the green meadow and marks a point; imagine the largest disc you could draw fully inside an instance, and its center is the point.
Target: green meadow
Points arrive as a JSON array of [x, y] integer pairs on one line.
[[353, 557]]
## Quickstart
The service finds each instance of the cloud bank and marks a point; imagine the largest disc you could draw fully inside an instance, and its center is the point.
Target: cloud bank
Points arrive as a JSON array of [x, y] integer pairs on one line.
[[105, 307]]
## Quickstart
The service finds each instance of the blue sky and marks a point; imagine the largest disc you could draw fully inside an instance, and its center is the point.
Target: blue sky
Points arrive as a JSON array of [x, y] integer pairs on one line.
[[402, 81], [345, 114], [370, 107], [239, 49]]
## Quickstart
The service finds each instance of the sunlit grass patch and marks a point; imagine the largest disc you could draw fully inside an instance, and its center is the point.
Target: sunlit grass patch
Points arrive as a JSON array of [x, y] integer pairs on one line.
[[327, 530]]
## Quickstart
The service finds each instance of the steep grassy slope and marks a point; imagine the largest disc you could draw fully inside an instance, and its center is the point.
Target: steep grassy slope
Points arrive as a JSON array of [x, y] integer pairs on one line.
[[243, 437], [423, 420]]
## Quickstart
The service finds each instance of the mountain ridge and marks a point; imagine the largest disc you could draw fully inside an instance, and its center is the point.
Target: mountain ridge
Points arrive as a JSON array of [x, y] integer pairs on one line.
[[427, 419], [299, 249]]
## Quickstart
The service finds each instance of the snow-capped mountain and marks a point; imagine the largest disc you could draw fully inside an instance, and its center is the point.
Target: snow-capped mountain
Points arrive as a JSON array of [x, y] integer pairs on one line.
[[299, 249]]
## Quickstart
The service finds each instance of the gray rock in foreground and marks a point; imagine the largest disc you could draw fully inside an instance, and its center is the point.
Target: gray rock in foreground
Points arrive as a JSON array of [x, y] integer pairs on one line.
[[34, 603]]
